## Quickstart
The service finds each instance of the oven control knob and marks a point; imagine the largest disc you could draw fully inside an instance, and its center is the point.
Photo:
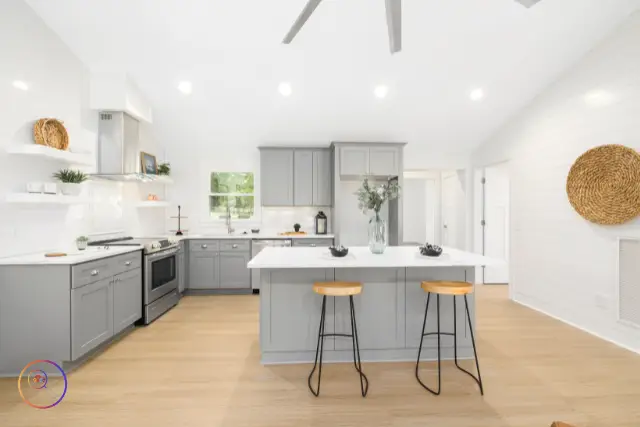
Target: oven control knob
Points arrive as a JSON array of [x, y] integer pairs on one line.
[[172, 240], [155, 245]]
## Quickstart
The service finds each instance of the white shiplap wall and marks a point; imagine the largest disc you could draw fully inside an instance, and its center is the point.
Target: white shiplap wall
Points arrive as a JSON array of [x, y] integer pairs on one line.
[[560, 263]]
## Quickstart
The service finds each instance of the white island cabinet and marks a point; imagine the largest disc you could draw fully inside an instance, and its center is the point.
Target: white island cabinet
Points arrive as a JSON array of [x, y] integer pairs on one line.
[[389, 311]]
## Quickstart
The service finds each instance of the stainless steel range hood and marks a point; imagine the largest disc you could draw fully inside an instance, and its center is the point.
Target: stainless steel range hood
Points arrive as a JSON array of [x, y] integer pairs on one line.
[[118, 157]]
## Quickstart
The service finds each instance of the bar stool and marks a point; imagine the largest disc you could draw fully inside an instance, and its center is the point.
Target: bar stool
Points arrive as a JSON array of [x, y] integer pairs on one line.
[[454, 289], [338, 289]]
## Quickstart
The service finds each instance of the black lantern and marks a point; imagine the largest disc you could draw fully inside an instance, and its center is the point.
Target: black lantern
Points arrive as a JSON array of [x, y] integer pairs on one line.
[[321, 223]]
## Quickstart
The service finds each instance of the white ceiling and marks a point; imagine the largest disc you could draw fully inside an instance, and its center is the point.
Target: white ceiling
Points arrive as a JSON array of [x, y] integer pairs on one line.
[[231, 51]]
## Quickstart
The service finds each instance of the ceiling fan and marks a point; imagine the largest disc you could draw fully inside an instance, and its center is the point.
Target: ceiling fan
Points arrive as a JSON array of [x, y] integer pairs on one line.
[[394, 22]]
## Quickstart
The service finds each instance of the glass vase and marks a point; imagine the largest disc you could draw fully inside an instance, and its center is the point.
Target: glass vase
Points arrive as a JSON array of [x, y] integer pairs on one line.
[[377, 234]]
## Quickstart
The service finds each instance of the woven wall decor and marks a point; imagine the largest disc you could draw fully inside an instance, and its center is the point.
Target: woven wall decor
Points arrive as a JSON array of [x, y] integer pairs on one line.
[[52, 133], [604, 184]]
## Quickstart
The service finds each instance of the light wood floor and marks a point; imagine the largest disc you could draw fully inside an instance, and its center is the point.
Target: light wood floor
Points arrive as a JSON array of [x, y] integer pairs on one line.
[[198, 366]]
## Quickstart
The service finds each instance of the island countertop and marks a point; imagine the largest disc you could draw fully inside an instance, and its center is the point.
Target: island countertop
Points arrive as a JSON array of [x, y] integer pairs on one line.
[[361, 257]]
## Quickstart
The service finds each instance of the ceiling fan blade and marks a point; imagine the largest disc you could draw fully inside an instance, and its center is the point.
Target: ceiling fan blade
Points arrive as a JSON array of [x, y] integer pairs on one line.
[[528, 3], [302, 18], [394, 24]]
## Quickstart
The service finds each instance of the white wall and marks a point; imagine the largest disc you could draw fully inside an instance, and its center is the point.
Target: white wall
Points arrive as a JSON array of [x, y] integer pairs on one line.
[[562, 264], [58, 87]]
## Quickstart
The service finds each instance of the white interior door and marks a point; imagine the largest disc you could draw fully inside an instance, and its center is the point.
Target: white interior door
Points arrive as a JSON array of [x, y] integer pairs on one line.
[[453, 214], [496, 229]]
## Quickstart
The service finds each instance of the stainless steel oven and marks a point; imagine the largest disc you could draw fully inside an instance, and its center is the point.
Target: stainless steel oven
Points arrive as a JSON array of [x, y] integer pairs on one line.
[[160, 274]]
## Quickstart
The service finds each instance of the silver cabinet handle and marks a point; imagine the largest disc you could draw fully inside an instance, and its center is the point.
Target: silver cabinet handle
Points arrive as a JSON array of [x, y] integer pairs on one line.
[[234, 246], [95, 272], [128, 263], [203, 246], [313, 245]]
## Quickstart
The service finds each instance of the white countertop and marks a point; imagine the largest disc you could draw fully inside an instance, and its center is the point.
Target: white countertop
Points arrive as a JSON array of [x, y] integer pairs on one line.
[[361, 257], [260, 236], [73, 257]]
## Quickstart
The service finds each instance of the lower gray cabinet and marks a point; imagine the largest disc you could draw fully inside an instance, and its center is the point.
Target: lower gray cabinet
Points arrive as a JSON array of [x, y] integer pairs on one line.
[[203, 270], [313, 242], [234, 273], [91, 316], [127, 299], [182, 272]]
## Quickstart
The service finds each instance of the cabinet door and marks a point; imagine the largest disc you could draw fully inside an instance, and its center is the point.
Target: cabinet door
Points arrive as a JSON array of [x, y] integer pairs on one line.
[[234, 273], [203, 270], [322, 188], [127, 299], [181, 273], [91, 316], [354, 161], [303, 178], [276, 177], [383, 161]]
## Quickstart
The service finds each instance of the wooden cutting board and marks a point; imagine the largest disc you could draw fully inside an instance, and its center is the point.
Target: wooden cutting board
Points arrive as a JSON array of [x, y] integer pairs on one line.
[[55, 254], [293, 233]]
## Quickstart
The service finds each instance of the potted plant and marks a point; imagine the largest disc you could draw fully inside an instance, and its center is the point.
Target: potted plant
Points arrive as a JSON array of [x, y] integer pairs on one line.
[[164, 169], [371, 198], [296, 227], [70, 181], [81, 243]]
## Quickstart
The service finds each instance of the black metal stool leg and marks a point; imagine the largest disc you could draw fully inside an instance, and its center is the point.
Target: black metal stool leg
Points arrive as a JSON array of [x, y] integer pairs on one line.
[[364, 381], [320, 348], [424, 324], [475, 353]]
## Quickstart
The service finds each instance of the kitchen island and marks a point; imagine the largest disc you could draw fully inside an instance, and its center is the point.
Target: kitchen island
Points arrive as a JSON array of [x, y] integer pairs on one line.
[[389, 311]]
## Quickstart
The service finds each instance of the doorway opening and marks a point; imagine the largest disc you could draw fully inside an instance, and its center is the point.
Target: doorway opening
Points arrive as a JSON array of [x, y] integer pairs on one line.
[[492, 222]]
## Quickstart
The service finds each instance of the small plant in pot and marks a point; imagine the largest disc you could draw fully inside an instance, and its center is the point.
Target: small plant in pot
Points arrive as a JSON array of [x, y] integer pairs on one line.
[[70, 181], [296, 227], [81, 243], [164, 169]]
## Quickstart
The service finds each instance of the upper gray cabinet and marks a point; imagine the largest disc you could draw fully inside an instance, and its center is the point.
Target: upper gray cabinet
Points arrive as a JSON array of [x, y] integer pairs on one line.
[[295, 177], [276, 177], [379, 160], [303, 177]]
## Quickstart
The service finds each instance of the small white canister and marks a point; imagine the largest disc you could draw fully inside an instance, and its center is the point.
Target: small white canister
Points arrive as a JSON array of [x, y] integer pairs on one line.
[[35, 187], [50, 188]]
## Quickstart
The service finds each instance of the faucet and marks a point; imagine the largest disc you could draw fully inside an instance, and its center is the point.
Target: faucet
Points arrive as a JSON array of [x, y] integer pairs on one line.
[[230, 229]]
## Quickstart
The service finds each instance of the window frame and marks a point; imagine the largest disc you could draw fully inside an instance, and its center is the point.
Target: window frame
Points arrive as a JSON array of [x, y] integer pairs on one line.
[[221, 218]]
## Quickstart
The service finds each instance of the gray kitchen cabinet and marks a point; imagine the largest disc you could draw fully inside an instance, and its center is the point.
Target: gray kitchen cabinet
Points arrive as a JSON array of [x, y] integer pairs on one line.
[[354, 161], [303, 178], [91, 316], [203, 270], [276, 177], [234, 273], [182, 268], [322, 178], [127, 299], [384, 161], [313, 243]]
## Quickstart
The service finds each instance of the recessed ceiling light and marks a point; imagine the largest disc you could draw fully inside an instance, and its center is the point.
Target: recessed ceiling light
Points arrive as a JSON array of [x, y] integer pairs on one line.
[[285, 89], [18, 84], [381, 91], [185, 87], [476, 94]]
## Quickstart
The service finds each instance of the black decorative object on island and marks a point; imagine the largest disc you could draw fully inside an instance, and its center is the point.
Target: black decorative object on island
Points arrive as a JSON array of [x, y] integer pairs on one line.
[[339, 251], [321, 223], [430, 250]]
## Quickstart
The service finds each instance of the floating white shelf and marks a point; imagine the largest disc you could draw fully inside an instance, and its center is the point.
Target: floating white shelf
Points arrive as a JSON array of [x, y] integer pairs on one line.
[[152, 204], [53, 199], [52, 153], [136, 178]]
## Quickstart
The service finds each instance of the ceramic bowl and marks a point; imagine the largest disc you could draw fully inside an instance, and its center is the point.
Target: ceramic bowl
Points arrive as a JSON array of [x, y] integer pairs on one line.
[[339, 252], [430, 250]]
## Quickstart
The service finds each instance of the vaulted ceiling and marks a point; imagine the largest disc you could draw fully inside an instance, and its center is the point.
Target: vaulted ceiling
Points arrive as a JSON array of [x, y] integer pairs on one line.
[[231, 52]]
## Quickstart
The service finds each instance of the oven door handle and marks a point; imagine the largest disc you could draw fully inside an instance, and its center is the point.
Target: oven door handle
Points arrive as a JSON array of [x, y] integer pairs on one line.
[[163, 254]]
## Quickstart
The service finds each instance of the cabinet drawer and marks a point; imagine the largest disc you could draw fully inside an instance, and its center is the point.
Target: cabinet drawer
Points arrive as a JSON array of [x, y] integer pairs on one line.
[[127, 262], [235, 246], [313, 242], [203, 246], [89, 272]]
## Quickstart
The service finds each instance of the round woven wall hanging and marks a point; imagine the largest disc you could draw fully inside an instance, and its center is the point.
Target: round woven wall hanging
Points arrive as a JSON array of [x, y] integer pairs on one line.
[[52, 133], [604, 184]]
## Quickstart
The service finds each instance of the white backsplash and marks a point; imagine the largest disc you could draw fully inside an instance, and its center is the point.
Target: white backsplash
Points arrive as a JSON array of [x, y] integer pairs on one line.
[[282, 219]]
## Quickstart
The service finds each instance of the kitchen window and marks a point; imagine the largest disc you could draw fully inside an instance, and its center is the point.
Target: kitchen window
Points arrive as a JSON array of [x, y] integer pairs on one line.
[[233, 190]]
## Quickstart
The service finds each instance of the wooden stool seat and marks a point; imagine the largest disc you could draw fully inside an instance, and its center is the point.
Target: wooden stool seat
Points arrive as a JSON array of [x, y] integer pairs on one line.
[[447, 287], [337, 289]]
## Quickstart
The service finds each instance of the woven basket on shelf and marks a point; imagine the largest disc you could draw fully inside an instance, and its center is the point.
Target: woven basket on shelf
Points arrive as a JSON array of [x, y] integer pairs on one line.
[[52, 133], [604, 184]]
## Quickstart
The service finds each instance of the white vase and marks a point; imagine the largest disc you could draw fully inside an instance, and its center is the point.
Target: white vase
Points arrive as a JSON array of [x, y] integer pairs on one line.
[[81, 244], [70, 189]]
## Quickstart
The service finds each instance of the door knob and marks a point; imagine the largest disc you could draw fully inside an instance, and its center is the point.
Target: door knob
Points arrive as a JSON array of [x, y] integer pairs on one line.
[[95, 272], [234, 246], [128, 263], [204, 246]]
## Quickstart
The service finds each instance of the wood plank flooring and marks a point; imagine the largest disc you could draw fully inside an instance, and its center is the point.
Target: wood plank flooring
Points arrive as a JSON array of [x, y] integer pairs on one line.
[[199, 366]]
